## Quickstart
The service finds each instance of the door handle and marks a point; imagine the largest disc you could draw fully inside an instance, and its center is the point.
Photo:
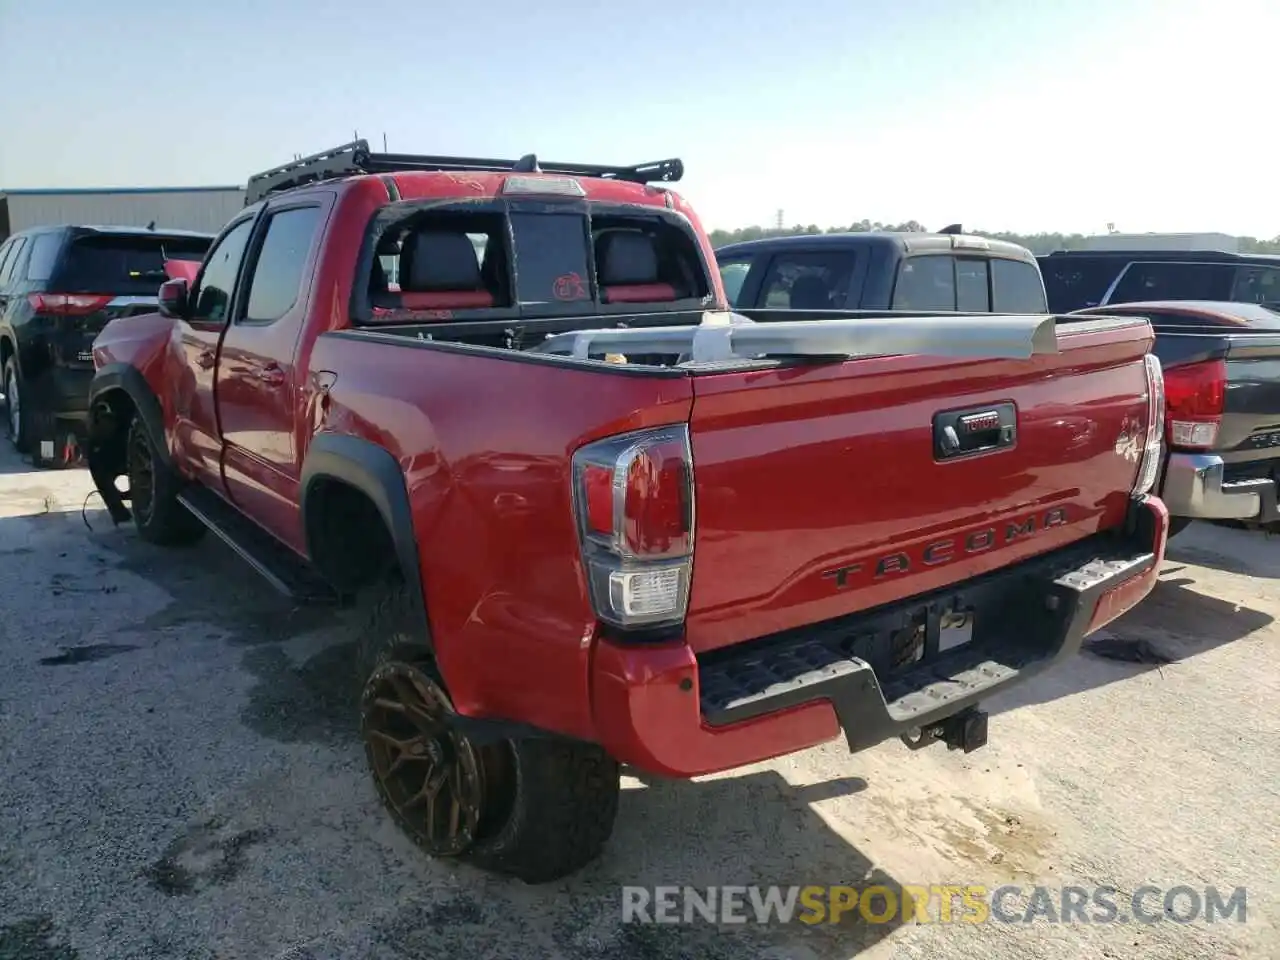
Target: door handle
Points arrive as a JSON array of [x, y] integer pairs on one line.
[[272, 374], [206, 360]]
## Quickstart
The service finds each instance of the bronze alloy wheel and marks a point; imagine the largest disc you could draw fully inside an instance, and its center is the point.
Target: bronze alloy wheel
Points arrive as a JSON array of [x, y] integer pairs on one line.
[[436, 784], [141, 471]]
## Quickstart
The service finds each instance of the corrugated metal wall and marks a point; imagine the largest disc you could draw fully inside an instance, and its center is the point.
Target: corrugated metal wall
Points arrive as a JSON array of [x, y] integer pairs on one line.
[[204, 209]]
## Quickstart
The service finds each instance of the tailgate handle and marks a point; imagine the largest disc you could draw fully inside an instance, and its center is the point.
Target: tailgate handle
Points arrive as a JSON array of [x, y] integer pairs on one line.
[[961, 433]]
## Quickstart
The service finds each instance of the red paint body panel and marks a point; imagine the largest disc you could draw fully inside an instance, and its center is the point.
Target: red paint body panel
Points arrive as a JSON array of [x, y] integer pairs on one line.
[[487, 473], [840, 460]]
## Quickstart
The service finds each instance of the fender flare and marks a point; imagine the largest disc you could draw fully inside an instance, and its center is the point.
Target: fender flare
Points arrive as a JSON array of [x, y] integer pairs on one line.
[[128, 378], [376, 473]]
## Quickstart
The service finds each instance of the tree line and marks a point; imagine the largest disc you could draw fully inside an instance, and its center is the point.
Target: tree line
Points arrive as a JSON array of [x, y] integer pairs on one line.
[[1037, 243]]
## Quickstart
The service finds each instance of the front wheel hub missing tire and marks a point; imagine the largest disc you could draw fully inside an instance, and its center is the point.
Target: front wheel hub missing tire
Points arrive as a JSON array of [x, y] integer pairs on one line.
[[427, 773]]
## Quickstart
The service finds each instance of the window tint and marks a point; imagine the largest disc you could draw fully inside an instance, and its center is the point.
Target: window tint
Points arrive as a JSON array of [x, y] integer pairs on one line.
[[5, 250], [122, 264], [44, 255], [216, 283], [551, 257], [277, 275], [733, 274], [808, 281], [925, 283], [1171, 280], [1016, 287], [1257, 285], [1073, 283], [972, 294]]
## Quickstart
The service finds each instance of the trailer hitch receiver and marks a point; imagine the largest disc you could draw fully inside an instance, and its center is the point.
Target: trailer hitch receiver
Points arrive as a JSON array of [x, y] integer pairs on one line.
[[966, 730]]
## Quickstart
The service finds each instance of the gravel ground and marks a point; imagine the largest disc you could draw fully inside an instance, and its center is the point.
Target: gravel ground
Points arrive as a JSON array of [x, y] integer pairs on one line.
[[181, 779]]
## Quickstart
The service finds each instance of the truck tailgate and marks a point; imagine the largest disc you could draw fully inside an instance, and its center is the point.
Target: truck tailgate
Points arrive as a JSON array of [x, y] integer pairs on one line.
[[819, 491]]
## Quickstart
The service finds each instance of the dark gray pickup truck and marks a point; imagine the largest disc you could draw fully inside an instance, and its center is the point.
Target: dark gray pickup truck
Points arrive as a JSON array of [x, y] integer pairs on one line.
[[1221, 365]]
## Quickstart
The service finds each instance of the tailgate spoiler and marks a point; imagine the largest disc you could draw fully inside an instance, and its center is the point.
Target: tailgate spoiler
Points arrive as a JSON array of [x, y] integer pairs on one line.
[[729, 336], [1195, 344]]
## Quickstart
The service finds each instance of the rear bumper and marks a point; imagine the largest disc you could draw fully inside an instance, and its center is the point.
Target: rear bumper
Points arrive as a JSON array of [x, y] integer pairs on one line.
[[1195, 487], [667, 711], [63, 390]]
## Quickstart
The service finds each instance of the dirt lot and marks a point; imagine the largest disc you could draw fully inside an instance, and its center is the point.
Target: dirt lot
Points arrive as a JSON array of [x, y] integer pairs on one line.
[[181, 779]]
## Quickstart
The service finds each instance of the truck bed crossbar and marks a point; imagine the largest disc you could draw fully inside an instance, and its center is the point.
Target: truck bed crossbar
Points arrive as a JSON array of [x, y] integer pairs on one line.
[[721, 337], [354, 158]]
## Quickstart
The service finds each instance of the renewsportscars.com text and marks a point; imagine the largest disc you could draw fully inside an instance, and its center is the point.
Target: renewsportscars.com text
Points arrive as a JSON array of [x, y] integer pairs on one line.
[[931, 904]]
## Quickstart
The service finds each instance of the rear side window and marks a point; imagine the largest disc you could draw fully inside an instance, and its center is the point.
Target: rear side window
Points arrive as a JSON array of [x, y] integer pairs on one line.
[[1073, 283], [277, 275], [1171, 280], [1016, 287], [1257, 285], [551, 257], [10, 260], [122, 264], [733, 274], [925, 283], [44, 256], [808, 281]]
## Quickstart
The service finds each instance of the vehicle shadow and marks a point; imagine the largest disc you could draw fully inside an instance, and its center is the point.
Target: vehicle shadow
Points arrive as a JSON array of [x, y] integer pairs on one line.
[[1250, 553], [1175, 622]]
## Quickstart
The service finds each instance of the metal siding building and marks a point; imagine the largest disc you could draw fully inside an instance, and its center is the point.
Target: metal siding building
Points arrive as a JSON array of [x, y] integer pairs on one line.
[[206, 209]]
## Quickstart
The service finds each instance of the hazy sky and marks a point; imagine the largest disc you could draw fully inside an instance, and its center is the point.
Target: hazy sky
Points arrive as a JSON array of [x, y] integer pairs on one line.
[[1032, 115]]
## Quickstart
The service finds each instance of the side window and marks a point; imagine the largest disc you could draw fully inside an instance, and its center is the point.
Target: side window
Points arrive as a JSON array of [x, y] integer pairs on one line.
[[926, 283], [6, 258], [1257, 285], [277, 274], [218, 278], [44, 256], [733, 274], [1073, 283], [1171, 280], [808, 281], [972, 286], [1016, 287]]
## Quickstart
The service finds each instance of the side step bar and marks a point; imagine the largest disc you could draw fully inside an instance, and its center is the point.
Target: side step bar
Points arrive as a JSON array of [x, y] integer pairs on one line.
[[278, 565]]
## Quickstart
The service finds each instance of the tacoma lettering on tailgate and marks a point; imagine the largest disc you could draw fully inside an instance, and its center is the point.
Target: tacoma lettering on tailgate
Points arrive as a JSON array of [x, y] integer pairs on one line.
[[937, 552]]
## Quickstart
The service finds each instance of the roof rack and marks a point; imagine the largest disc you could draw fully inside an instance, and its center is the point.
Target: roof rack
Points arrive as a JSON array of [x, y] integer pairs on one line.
[[356, 158]]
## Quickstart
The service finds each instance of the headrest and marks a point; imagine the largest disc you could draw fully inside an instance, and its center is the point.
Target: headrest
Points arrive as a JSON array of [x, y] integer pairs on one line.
[[624, 257], [809, 292], [439, 260]]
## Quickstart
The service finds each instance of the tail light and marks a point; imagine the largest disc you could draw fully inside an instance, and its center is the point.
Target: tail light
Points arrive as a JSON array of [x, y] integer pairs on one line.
[[1196, 394], [633, 495], [1153, 446], [68, 304]]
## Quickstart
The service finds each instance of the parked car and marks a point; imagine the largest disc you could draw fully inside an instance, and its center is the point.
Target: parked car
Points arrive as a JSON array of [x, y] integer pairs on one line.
[[1221, 365], [518, 457], [59, 286], [1078, 279], [916, 272]]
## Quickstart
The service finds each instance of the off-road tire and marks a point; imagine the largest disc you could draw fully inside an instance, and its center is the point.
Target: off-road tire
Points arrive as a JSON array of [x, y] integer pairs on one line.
[[557, 812], [160, 518], [1177, 525], [24, 436], [562, 813]]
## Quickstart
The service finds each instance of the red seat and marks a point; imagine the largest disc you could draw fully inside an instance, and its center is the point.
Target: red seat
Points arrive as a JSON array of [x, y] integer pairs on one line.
[[439, 271], [639, 293], [627, 265]]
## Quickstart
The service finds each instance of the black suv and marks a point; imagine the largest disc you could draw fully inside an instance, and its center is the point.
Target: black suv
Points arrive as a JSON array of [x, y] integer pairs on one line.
[[58, 288], [1076, 279]]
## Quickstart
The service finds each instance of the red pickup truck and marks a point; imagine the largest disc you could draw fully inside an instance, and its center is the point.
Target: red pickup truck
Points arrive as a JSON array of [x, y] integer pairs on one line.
[[602, 519]]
